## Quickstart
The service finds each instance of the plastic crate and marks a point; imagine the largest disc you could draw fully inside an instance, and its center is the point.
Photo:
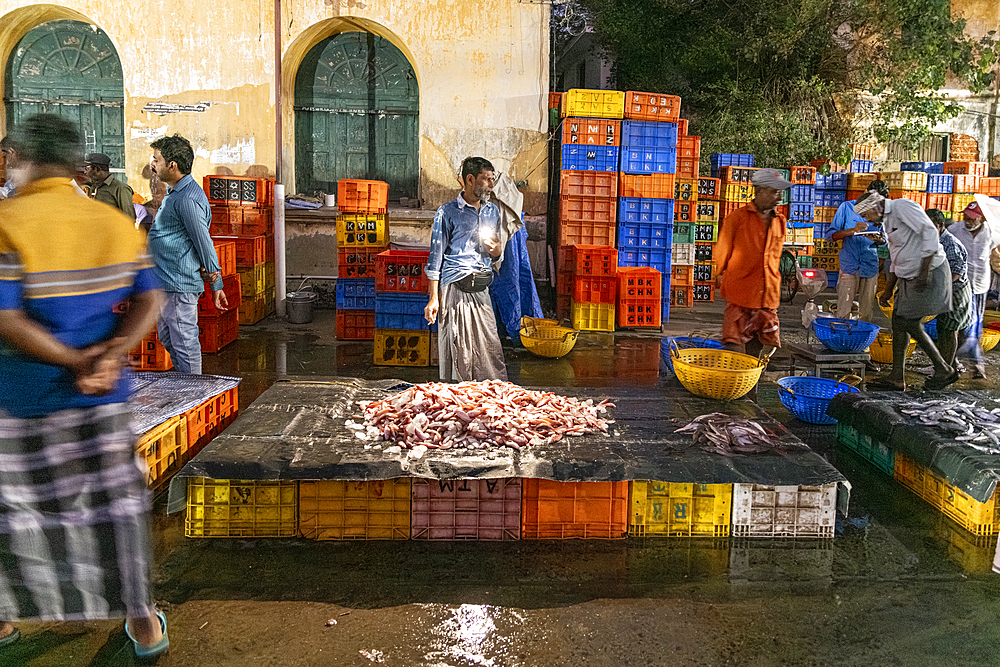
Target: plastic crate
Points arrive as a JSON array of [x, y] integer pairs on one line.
[[960, 201], [231, 287], [802, 175], [703, 252], [926, 167], [830, 198], [940, 183], [826, 262], [361, 230], [824, 214], [150, 355], [588, 289], [971, 168], [209, 416], [361, 196], [964, 183], [254, 309], [942, 202], [832, 277], [802, 194], [590, 158], [402, 347], [805, 261], [862, 151], [250, 251], [685, 211], [223, 219], [672, 509], [355, 324], [989, 186], [784, 511], [919, 197], [639, 297], [161, 447], [858, 181], [241, 508], [588, 183], [589, 103], [637, 134], [680, 297], [708, 232], [873, 451], [862, 166], [800, 212], [682, 275], [655, 258], [704, 272], [597, 261], [686, 189], [226, 252], [593, 316], [707, 211], [587, 209], [356, 293], [836, 181], [466, 509], [800, 234], [719, 160], [688, 167], [631, 209], [401, 271], [703, 293], [649, 160], [905, 180], [400, 310], [688, 147], [355, 262], [354, 510], [976, 517], [238, 190], [682, 126], [216, 332], [256, 222], [564, 510], [644, 235], [683, 232], [709, 188], [253, 280], [682, 254], [738, 192], [738, 175], [592, 132], [588, 233], [652, 186], [652, 106]]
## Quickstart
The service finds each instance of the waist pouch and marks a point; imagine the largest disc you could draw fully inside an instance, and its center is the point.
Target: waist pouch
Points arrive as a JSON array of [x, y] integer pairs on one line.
[[476, 281]]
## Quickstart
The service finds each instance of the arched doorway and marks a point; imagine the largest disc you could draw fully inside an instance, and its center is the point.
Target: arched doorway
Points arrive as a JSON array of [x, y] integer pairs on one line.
[[70, 69], [356, 112]]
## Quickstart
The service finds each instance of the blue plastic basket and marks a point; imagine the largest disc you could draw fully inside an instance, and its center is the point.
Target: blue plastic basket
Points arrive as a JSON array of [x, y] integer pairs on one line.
[[802, 194], [646, 134], [808, 397], [685, 342], [940, 183], [862, 166], [931, 328], [926, 167], [830, 197], [845, 336], [657, 258]]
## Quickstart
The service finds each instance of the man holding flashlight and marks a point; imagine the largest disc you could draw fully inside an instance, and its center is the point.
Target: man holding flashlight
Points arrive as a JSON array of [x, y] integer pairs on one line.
[[465, 253]]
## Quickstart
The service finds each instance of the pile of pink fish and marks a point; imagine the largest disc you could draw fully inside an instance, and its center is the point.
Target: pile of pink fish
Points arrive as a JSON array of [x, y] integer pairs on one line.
[[478, 415]]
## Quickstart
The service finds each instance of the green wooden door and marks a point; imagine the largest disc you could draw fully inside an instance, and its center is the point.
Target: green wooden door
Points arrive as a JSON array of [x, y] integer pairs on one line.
[[72, 70], [356, 106]]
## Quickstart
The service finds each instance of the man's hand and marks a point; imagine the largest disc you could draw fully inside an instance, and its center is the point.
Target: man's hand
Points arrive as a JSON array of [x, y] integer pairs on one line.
[[861, 227], [103, 378], [220, 300], [207, 277], [718, 281], [492, 246], [431, 310], [883, 299]]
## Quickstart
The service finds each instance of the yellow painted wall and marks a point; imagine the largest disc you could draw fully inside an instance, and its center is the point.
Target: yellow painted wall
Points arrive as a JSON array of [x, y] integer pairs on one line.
[[482, 69]]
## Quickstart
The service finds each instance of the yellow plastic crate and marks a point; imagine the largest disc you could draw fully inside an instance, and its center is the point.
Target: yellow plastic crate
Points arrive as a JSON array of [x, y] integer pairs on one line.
[[593, 316], [269, 276], [824, 214], [588, 103], [826, 262], [799, 235], [976, 517], [959, 202], [679, 510], [738, 193], [825, 247], [686, 189], [402, 347], [355, 510], [362, 230], [905, 180], [162, 446], [241, 508], [708, 211], [254, 309], [859, 181], [253, 281]]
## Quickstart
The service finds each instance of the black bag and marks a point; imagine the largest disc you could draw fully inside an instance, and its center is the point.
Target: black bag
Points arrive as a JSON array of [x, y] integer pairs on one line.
[[476, 281]]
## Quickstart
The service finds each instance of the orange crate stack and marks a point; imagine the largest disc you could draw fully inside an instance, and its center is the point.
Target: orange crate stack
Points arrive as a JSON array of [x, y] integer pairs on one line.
[[989, 186], [215, 333], [361, 196], [226, 251], [208, 418], [587, 220], [939, 201], [150, 355], [585, 261], [972, 168], [682, 127], [652, 106], [598, 184], [640, 292], [592, 131], [652, 186], [230, 287]]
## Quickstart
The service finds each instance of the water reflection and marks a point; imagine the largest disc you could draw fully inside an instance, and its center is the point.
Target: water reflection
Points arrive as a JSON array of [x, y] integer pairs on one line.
[[468, 635]]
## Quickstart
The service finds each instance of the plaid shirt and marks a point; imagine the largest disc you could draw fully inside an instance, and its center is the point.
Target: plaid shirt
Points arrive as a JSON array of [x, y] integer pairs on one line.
[[958, 257]]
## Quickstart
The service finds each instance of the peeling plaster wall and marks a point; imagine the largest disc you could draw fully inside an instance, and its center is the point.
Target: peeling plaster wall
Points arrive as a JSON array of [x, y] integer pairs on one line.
[[482, 69]]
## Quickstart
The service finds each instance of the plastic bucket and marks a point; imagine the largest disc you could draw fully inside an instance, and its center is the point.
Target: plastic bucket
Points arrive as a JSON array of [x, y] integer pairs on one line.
[[299, 307]]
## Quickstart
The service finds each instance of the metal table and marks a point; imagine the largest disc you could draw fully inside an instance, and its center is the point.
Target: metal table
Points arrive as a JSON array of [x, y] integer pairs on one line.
[[818, 360]]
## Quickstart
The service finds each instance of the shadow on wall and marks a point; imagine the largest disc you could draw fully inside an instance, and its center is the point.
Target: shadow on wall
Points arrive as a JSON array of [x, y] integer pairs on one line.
[[254, 171]]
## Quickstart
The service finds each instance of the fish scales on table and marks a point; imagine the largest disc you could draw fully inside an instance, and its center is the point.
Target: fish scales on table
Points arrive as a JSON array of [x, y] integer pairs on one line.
[[477, 415], [969, 423], [728, 435]]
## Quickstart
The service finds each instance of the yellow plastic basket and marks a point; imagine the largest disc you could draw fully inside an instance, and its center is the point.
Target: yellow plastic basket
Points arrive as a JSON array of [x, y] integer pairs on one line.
[[720, 374], [546, 339], [881, 349], [990, 339]]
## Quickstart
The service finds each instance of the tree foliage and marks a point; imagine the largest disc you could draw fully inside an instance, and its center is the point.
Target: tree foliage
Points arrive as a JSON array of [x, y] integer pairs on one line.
[[798, 79]]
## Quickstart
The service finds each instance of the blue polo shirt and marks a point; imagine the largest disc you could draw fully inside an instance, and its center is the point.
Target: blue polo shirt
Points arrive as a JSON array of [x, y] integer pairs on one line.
[[179, 240], [858, 254]]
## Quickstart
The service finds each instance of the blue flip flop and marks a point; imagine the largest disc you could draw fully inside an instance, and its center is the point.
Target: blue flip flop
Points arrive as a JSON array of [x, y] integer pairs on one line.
[[151, 653], [10, 639]]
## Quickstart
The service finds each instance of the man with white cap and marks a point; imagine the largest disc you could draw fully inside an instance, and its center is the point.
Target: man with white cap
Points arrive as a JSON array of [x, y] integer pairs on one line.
[[747, 256], [920, 269], [974, 232]]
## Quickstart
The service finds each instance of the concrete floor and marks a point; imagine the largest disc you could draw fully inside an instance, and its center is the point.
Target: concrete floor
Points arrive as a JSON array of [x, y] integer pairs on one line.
[[899, 586]]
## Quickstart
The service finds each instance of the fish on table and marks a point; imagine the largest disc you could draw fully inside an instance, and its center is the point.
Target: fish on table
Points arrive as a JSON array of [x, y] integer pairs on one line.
[[727, 435], [969, 423]]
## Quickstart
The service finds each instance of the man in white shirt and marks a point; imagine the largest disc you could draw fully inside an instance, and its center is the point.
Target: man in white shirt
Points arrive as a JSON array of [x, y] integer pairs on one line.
[[974, 232], [920, 270]]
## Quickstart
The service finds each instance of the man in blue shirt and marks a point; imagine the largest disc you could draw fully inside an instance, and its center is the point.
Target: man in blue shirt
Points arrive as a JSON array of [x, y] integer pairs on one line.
[[465, 253], [183, 252], [858, 258]]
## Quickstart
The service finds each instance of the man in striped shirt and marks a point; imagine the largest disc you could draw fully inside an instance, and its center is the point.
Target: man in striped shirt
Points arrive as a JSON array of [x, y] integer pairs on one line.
[[183, 252]]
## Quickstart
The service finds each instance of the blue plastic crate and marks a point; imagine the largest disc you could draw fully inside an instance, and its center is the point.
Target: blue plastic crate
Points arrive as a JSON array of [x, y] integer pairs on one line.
[[644, 134], [836, 181], [801, 193], [831, 278], [355, 293], [590, 158], [820, 230], [649, 160], [800, 212], [940, 183], [644, 236], [399, 310], [635, 209], [926, 167], [830, 197], [862, 166], [731, 159], [665, 301], [656, 258]]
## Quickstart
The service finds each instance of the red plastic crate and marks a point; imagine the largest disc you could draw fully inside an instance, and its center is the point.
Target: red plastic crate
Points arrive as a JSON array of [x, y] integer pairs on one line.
[[965, 183], [588, 183], [223, 218], [250, 251], [686, 211], [652, 186], [803, 175], [588, 209], [226, 252], [357, 262], [972, 168], [230, 287], [269, 248], [640, 291], [737, 175], [237, 191], [574, 232], [401, 271], [150, 355], [652, 106], [554, 99], [680, 297], [465, 509], [360, 196], [688, 167], [355, 324], [939, 201], [681, 276], [592, 260], [689, 147], [592, 131], [563, 510], [256, 222], [989, 186], [588, 289], [216, 332], [682, 127]]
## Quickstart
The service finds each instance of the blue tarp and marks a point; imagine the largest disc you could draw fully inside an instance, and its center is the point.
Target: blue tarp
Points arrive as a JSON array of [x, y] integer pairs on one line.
[[513, 290]]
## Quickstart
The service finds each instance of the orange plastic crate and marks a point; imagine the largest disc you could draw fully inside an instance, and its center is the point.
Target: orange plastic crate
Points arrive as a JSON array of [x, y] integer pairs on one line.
[[688, 167], [738, 175], [939, 201], [250, 251], [854, 194], [689, 147], [592, 131], [563, 510], [357, 262], [226, 251], [965, 183], [401, 271], [211, 415], [652, 106], [150, 355], [223, 218], [230, 287], [682, 127], [355, 324], [554, 99], [685, 211], [162, 447], [682, 276], [588, 289], [577, 232], [919, 197], [236, 191], [592, 260], [652, 186], [803, 175], [680, 297], [360, 196], [862, 151], [587, 209], [218, 331], [640, 290], [588, 183], [256, 222], [972, 168], [989, 187]]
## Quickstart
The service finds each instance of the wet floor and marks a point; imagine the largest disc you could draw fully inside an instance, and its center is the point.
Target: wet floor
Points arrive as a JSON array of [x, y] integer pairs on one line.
[[900, 585]]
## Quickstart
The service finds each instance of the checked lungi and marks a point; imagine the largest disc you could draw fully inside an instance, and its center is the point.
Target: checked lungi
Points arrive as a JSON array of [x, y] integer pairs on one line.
[[74, 517]]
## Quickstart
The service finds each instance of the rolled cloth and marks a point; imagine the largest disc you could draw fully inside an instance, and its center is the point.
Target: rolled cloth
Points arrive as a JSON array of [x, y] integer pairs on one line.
[[868, 202], [770, 178]]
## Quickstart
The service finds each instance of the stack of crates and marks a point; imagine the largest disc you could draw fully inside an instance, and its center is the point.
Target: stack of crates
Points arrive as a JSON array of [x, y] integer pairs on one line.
[[594, 276], [863, 156], [401, 333], [907, 185], [799, 232], [720, 160], [362, 235], [831, 193], [217, 328], [640, 297], [243, 210], [939, 188]]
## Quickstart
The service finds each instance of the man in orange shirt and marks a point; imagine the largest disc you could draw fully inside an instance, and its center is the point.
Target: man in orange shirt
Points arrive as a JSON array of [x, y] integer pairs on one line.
[[747, 256]]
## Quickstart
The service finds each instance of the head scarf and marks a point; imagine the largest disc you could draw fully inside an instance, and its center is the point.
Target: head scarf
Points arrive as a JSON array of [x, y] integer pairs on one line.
[[868, 202]]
